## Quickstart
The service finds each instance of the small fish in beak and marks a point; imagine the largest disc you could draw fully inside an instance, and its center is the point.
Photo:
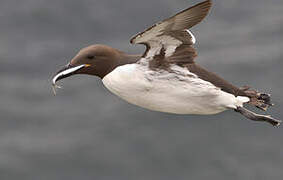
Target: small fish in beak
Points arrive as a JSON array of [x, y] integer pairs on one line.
[[66, 71]]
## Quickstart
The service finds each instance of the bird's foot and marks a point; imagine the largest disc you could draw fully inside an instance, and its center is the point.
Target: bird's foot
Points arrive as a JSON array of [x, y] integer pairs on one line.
[[258, 117], [259, 100]]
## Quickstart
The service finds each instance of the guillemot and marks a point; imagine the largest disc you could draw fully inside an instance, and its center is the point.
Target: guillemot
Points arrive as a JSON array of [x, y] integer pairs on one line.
[[165, 77]]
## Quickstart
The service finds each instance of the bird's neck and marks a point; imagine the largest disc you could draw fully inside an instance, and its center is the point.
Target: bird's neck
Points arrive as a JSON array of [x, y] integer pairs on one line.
[[121, 59], [128, 59]]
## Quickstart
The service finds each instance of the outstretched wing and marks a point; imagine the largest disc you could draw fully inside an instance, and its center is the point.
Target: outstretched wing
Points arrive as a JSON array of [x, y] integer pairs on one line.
[[166, 36], [170, 42]]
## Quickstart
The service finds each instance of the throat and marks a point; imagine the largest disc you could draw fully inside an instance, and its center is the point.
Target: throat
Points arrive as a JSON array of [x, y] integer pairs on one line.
[[118, 61]]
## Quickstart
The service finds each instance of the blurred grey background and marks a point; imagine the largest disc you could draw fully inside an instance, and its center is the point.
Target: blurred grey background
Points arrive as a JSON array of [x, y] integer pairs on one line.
[[87, 133]]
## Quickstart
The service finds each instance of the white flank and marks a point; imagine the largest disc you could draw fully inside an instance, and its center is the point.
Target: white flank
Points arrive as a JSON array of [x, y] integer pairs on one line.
[[179, 92]]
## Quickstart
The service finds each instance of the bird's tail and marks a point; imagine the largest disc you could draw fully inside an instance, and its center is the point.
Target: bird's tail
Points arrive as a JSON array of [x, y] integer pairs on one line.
[[259, 100]]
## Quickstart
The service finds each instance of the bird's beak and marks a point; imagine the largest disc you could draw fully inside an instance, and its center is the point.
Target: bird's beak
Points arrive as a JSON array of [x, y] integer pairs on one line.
[[65, 72]]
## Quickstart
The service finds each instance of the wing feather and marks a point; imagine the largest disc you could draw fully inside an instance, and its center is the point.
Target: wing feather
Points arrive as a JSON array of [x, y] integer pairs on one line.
[[179, 22], [170, 41]]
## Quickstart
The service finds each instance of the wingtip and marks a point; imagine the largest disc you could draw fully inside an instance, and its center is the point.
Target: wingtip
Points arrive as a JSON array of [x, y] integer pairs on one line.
[[277, 123], [207, 2]]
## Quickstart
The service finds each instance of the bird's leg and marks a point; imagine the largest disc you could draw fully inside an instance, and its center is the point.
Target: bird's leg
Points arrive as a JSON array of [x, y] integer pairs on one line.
[[257, 117]]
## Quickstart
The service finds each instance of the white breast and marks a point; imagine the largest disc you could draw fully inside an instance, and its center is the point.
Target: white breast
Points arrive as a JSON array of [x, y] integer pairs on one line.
[[180, 91]]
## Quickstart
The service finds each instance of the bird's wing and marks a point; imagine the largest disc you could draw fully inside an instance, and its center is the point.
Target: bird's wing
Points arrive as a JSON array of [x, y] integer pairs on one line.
[[166, 37]]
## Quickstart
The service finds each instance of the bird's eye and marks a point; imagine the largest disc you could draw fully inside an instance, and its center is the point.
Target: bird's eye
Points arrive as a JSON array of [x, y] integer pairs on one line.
[[90, 57]]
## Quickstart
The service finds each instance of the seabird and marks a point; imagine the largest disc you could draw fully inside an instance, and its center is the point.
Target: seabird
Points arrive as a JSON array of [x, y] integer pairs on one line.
[[165, 77]]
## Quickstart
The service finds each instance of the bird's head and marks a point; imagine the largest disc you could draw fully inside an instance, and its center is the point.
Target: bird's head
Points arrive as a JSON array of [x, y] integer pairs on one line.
[[97, 60]]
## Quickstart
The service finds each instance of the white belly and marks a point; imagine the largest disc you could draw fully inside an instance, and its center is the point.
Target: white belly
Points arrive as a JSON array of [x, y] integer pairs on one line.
[[180, 92]]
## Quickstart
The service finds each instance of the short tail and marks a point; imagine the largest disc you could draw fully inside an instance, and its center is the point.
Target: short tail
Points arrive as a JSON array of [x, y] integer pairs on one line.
[[259, 100]]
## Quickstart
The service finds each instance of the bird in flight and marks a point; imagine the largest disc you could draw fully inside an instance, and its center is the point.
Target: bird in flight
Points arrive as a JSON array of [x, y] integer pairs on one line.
[[166, 77]]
